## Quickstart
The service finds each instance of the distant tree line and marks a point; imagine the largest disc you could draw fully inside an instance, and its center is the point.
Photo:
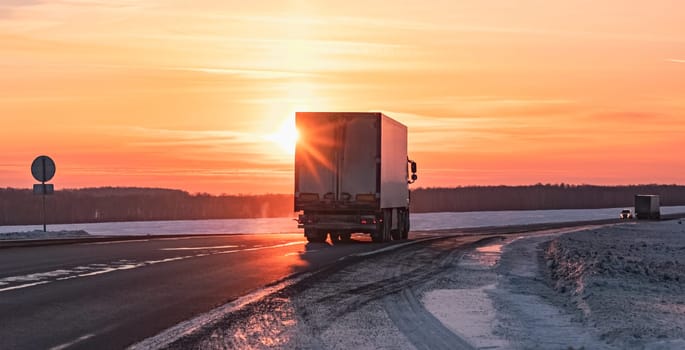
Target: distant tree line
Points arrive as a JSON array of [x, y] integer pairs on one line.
[[538, 197], [107, 204], [21, 207]]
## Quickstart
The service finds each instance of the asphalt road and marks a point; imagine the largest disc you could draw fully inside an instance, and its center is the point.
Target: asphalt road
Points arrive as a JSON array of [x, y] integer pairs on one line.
[[112, 294]]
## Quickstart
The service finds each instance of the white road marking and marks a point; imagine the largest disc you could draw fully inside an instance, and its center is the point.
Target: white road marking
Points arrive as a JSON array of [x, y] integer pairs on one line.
[[23, 286], [108, 270], [119, 265], [179, 238], [36, 276], [301, 252], [273, 246], [176, 258], [118, 242], [66, 345], [198, 248]]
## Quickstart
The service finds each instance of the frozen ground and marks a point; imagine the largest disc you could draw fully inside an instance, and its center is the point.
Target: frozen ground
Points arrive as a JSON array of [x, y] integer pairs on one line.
[[608, 287], [499, 301], [615, 287], [419, 222], [39, 234], [627, 282]]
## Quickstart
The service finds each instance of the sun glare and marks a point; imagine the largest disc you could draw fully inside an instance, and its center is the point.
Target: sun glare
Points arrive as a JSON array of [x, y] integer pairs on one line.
[[286, 136]]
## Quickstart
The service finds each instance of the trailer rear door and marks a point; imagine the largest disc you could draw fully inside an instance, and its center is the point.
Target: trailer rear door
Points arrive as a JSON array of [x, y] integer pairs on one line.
[[315, 156], [360, 158]]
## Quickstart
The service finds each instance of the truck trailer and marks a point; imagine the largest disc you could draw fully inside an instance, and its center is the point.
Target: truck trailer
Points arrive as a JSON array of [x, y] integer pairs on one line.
[[352, 175], [647, 207]]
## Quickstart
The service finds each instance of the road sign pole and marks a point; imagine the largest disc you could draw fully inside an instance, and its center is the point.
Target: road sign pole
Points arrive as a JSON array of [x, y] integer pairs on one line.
[[45, 229], [43, 169], [45, 174]]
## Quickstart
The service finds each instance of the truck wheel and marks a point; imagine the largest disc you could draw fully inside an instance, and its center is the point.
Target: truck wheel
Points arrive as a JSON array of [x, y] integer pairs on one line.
[[377, 235], [387, 225], [336, 237], [315, 236], [309, 234], [397, 233], [405, 227], [382, 233], [340, 237]]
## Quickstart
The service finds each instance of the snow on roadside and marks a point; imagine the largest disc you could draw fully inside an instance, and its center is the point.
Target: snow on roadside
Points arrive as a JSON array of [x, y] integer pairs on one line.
[[627, 281], [38, 234], [467, 312], [611, 287], [500, 301]]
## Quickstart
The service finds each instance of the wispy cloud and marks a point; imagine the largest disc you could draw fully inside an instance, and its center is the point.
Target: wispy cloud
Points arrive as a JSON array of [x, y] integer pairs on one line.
[[179, 171], [243, 146], [445, 30], [493, 101], [16, 3], [675, 60], [477, 134], [7, 6], [247, 73], [168, 137]]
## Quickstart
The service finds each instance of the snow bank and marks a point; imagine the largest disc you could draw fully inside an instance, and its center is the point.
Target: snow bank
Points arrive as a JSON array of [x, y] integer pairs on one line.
[[628, 281], [38, 234]]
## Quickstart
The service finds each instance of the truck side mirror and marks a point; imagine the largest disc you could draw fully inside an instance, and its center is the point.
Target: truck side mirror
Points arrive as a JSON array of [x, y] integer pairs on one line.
[[413, 170]]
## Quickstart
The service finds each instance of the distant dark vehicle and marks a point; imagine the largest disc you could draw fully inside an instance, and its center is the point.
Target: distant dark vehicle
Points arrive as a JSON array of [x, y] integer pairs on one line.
[[626, 214], [647, 207]]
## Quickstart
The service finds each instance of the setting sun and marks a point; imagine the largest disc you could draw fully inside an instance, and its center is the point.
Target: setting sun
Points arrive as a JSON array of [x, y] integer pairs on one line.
[[286, 136]]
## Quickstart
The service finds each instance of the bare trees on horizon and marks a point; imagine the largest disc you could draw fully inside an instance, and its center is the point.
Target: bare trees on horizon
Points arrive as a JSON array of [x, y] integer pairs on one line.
[[21, 207]]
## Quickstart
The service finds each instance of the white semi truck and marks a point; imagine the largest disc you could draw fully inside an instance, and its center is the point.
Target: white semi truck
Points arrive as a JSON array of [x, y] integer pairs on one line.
[[352, 175]]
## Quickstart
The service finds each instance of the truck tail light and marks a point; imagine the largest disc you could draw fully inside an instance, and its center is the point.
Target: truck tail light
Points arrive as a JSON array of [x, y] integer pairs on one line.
[[368, 220]]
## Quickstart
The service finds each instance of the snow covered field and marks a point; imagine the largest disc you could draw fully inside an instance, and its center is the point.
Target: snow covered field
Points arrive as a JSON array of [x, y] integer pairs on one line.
[[615, 287], [421, 221], [39, 234]]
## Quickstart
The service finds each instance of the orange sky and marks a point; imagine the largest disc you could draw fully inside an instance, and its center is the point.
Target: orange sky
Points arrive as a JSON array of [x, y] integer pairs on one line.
[[180, 94]]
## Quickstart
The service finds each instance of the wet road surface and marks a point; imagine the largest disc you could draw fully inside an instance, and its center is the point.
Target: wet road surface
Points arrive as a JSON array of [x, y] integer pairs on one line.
[[112, 294]]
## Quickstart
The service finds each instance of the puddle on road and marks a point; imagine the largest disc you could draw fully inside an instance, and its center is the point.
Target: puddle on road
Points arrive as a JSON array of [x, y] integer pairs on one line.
[[484, 257]]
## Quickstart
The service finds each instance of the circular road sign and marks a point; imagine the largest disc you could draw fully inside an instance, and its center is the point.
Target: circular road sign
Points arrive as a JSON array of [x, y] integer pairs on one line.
[[43, 168]]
